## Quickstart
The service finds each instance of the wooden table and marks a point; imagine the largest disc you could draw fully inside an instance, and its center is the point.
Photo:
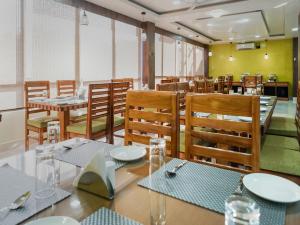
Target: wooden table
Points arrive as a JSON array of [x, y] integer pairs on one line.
[[265, 123], [63, 112], [130, 200]]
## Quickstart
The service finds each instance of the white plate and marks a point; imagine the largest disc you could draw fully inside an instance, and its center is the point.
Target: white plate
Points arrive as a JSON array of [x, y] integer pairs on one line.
[[128, 153], [263, 109], [245, 118], [264, 102], [54, 220], [201, 114], [273, 188], [265, 97]]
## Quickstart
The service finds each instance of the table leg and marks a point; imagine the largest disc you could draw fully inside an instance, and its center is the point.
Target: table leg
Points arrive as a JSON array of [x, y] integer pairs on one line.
[[64, 119]]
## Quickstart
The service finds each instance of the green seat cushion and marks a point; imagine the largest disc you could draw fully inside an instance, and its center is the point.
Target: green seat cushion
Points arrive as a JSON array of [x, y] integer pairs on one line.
[[40, 122], [118, 120], [80, 128], [78, 115], [283, 119], [290, 143], [283, 128], [280, 160]]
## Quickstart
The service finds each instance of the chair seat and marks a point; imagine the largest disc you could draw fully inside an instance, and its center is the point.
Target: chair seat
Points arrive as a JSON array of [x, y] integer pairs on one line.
[[40, 122], [280, 160], [78, 115], [80, 128], [118, 120], [283, 127], [290, 143]]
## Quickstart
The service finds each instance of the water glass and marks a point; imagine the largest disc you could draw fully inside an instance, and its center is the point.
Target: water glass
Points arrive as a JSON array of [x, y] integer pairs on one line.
[[240, 90], [231, 92], [53, 132], [240, 210], [157, 201], [44, 172]]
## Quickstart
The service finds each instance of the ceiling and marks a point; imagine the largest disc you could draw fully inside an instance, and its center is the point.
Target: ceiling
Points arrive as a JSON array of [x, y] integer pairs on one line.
[[216, 21]]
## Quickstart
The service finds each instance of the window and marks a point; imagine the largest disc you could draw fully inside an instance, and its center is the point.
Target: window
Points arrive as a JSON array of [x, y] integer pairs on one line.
[[190, 59], [168, 56], [96, 49], [199, 61], [127, 50], [49, 40], [158, 55]]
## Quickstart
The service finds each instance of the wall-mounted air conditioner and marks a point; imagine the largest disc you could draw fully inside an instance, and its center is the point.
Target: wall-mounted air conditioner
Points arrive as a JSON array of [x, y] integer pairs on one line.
[[246, 46]]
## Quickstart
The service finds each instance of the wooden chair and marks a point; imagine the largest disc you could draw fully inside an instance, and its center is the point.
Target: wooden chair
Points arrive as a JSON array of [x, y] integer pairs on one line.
[[166, 87], [225, 136], [221, 84], [98, 122], [189, 78], [209, 86], [199, 86], [121, 80], [228, 83], [249, 82], [259, 79], [182, 88], [34, 90], [119, 91], [172, 78], [166, 81], [66, 88], [141, 125]]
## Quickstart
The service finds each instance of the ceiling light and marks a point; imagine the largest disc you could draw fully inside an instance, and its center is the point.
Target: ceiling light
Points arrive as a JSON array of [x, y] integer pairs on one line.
[[210, 53], [230, 39], [190, 35], [230, 58], [245, 20], [280, 5], [177, 2], [266, 56], [217, 13], [84, 19], [257, 36], [295, 29]]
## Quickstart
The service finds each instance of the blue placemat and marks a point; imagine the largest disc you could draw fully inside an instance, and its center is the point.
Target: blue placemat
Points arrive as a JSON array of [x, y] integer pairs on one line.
[[105, 216], [209, 187], [13, 184], [82, 155]]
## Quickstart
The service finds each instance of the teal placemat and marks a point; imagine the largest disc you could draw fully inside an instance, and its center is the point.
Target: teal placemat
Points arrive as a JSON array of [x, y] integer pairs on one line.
[[105, 216], [209, 187]]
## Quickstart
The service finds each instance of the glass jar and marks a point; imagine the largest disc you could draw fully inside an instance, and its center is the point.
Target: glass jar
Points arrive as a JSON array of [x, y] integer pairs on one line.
[[53, 132], [44, 172], [157, 162]]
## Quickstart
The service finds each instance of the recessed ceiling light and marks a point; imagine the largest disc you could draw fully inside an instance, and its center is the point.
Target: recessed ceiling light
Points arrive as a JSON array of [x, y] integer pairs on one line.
[[190, 35], [177, 2], [217, 13], [295, 29], [280, 5], [231, 38], [245, 20], [257, 36]]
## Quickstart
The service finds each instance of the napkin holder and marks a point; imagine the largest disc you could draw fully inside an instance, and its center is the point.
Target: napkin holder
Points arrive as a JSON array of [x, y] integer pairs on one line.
[[97, 179]]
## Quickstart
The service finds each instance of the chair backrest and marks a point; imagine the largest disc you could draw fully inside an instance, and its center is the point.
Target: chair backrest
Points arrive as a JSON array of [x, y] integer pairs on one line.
[[199, 77], [182, 88], [259, 79], [34, 90], [172, 78], [130, 80], [199, 86], [166, 81], [229, 81], [189, 78], [221, 84], [250, 81], [209, 86], [119, 91], [166, 87], [162, 120], [66, 87], [99, 106], [226, 139]]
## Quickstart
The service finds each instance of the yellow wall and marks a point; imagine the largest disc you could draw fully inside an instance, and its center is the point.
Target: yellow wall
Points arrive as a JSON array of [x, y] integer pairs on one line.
[[280, 60]]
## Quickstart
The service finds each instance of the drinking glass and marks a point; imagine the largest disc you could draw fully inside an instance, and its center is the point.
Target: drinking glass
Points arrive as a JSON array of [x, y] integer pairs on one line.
[[240, 90], [157, 162], [53, 132], [231, 92], [240, 210], [44, 172]]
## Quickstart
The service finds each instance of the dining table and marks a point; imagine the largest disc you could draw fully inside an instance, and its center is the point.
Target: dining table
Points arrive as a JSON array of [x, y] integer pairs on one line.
[[130, 200], [62, 106]]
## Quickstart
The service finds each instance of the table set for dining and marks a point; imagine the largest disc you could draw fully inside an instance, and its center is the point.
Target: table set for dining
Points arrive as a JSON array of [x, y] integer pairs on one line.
[[144, 191]]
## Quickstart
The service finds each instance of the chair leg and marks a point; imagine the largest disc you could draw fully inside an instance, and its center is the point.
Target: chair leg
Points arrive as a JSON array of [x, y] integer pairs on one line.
[[41, 137], [26, 139]]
